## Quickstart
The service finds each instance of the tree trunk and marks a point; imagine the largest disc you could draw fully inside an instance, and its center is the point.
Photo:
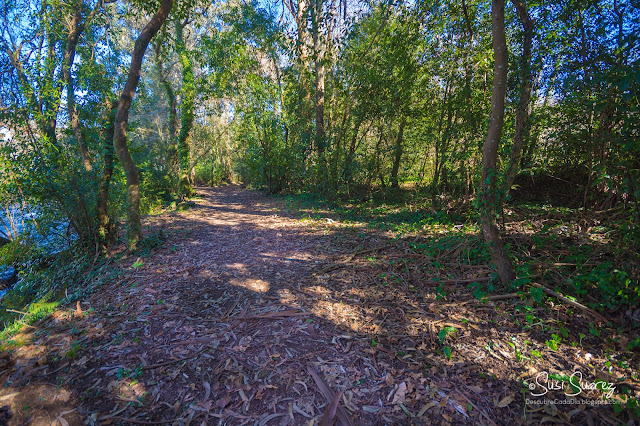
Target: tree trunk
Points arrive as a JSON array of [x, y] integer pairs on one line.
[[75, 29], [333, 175], [171, 96], [397, 155], [440, 154], [487, 197], [300, 12], [440, 121], [347, 171], [106, 229], [522, 110], [134, 226], [186, 113], [50, 96], [319, 82], [172, 101]]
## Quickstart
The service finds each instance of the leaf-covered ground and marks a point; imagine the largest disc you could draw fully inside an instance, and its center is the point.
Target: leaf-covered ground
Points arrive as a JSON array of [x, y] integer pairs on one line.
[[253, 313]]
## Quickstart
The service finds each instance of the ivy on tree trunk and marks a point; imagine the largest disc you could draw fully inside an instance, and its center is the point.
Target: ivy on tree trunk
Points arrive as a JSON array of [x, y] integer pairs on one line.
[[488, 189]]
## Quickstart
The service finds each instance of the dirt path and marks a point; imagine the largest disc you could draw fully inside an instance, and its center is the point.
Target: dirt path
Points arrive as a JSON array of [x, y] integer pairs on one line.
[[208, 328], [249, 314]]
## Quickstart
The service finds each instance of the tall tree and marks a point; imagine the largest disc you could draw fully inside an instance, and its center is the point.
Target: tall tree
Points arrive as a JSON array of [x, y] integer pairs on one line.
[[488, 198], [522, 109], [75, 27], [317, 19], [186, 110], [106, 227], [134, 226]]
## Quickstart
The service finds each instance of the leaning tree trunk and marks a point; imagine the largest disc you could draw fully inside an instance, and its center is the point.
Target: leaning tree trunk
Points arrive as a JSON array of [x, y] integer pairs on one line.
[[522, 110], [134, 226], [488, 197]]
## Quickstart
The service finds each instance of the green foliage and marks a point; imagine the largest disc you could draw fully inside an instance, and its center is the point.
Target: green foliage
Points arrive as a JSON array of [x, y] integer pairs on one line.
[[33, 312], [614, 286], [444, 332], [126, 373], [447, 352]]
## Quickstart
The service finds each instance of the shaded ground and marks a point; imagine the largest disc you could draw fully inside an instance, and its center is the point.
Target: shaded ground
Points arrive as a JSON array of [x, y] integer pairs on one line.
[[250, 314]]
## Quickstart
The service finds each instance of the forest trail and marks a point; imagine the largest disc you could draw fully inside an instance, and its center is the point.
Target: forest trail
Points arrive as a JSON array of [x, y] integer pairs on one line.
[[251, 314]]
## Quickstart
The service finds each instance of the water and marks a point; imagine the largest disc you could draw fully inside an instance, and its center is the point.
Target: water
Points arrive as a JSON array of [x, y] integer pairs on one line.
[[52, 237]]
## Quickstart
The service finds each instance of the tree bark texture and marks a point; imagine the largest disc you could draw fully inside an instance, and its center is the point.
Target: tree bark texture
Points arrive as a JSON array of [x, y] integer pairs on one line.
[[134, 226], [488, 197], [106, 228]]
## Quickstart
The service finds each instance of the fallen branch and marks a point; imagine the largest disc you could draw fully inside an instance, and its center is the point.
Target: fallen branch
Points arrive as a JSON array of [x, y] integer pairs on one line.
[[570, 302], [17, 312], [341, 415], [460, 281], [492, 298], [58, 369], [27, 325]]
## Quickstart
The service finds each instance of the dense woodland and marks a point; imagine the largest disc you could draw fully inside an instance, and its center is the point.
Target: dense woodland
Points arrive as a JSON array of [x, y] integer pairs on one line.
[[339, 99], [478, 113]]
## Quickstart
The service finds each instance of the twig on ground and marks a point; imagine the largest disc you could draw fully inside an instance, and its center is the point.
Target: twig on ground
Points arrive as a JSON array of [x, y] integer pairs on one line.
[[459, 281], [27, 325], [570, 302], [492, 298], [17, 312]]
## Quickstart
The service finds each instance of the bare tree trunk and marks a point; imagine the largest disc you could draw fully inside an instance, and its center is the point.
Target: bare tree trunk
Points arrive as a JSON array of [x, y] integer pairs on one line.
[[522, 110], [488, 198], [134, 226], [397, 154]]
